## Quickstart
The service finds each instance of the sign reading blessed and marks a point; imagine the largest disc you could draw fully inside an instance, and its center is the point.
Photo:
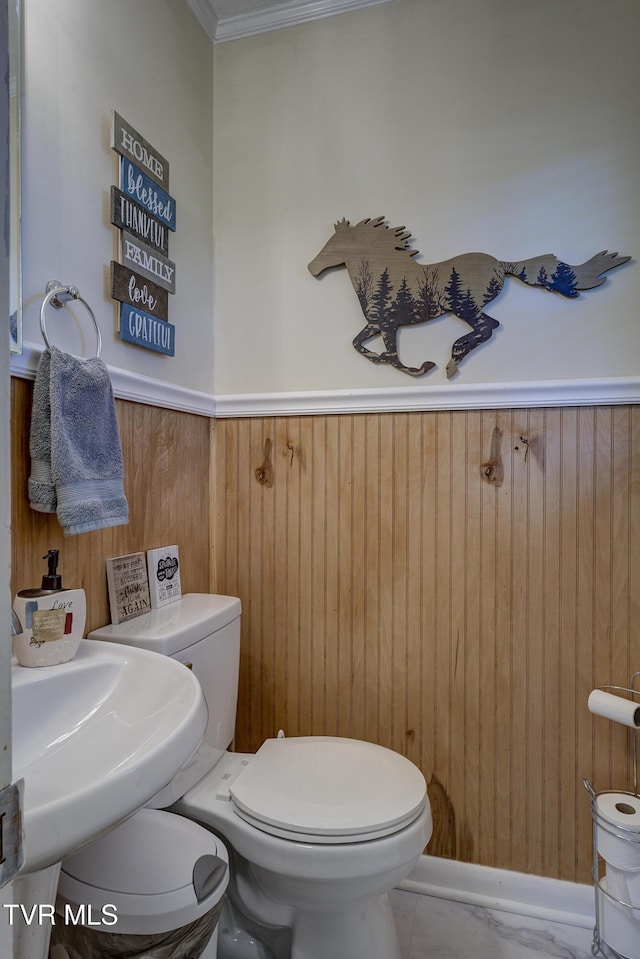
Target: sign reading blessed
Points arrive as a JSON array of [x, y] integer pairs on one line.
[[144, 212], [394, 291], [143, 190]]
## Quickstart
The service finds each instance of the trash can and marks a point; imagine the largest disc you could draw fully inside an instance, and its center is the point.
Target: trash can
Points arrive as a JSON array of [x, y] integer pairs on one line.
[[153, 888]]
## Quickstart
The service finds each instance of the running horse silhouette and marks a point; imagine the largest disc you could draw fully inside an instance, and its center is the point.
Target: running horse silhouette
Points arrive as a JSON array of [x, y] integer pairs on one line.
[[395, 291]]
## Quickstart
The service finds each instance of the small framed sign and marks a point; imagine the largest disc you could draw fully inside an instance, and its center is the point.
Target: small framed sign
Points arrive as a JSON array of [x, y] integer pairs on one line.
[[163, 565], [128, 587]]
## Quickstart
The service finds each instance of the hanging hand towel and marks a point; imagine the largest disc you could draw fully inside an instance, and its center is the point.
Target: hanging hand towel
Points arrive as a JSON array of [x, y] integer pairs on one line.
[[85, 451], [42, 492]]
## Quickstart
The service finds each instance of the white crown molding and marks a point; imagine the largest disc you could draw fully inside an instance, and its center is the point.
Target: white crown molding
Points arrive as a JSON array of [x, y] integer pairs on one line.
[[129, 386], [486, 396], [280, 15], [205, 15]]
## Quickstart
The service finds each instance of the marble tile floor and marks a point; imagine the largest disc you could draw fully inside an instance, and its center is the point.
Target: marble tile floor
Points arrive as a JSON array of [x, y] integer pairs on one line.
[[434, 928]]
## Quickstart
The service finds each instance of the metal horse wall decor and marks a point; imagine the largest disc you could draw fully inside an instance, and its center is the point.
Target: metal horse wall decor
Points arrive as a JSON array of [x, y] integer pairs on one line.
[[395, 291]]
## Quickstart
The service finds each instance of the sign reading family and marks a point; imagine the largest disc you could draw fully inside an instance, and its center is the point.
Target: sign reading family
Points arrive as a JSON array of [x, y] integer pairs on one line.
[[144, 212]]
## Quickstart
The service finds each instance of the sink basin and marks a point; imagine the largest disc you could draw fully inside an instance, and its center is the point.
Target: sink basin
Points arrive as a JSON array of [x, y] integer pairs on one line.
[[95, 738]]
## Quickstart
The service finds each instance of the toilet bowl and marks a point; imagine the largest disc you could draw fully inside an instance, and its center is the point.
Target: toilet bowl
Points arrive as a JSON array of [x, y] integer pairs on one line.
[[319, 829]]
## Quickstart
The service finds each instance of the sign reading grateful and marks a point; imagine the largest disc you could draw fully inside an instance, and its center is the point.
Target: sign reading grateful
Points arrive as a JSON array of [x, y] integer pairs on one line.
[[141, 328], [144, 212]]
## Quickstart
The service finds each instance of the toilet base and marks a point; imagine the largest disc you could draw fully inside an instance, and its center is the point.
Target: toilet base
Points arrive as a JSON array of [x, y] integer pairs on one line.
[[261, 924], [364, 931]]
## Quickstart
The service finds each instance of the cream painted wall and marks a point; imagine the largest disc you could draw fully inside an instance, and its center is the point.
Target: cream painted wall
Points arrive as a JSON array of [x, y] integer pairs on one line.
[[152, 62], [509, 128]]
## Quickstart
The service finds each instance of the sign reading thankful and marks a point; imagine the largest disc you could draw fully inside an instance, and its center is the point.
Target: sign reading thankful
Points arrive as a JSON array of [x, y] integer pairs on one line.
[[144, 212], [395, 291], [130, 216]]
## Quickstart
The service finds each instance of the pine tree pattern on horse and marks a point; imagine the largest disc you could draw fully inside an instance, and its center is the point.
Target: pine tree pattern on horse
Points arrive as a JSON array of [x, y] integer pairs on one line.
[[395, 291]]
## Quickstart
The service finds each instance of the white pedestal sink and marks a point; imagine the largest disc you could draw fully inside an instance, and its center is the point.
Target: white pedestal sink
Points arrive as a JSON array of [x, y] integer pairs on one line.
[[94, 739]]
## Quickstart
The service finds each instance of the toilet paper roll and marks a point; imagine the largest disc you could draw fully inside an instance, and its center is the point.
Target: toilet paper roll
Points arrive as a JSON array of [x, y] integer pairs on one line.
[[616, 708], [619, 926], [617, 885], [632, 880], [619, 830]]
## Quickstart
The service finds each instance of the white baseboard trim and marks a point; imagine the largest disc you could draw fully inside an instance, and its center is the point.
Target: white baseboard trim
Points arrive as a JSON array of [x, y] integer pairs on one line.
[[536, 897]]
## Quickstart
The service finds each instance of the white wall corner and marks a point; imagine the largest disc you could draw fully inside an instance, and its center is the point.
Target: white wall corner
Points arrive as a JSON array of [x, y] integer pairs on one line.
[[206, 16]]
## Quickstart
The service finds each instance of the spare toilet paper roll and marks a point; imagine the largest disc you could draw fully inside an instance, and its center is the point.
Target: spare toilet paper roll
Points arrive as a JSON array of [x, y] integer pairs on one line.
[[619, 926], [619, 830], [617, 708]]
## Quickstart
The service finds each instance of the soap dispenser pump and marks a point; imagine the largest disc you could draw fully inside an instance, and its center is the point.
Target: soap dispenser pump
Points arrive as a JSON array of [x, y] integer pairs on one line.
[[53, 619], [52, 580]]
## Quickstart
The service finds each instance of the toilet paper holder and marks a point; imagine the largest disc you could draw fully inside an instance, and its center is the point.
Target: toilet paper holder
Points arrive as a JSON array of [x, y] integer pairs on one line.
[[635, 694], [617, 928]]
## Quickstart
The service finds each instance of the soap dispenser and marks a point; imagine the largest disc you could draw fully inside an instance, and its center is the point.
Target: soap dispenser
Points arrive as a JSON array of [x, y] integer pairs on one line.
[[53, 619]]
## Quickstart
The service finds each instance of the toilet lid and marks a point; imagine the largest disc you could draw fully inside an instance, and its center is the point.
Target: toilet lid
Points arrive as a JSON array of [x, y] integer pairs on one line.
[[327, 789]]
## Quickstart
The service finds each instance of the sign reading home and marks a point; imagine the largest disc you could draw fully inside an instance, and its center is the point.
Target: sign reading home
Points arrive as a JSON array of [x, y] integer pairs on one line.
[[128, 143], [144, 212]]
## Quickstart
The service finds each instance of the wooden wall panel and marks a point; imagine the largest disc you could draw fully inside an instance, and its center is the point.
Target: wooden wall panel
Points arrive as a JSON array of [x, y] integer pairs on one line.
[[391, 593], [166, 464]]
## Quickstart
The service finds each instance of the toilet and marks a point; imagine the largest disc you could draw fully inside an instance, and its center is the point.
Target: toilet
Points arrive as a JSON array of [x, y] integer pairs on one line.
[[319, 829]]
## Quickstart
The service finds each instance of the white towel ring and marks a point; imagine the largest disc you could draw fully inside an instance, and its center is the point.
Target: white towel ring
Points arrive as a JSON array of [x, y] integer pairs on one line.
[[57, 296]]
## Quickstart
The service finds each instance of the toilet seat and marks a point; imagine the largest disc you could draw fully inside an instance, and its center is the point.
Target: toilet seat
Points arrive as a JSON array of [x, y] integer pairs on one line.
[[324, 789]]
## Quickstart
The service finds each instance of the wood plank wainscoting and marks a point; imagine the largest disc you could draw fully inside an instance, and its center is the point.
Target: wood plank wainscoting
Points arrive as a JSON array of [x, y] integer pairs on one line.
[[166, 465], [393, 591]]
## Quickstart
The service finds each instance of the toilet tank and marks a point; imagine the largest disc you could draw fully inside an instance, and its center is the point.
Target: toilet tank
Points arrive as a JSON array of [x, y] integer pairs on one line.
[[201, 630]]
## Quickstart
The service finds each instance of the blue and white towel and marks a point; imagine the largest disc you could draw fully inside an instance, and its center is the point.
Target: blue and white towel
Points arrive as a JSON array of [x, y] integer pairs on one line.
[[76, 456]]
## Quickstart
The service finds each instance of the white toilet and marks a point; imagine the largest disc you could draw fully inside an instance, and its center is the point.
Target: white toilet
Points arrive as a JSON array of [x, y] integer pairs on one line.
[[319, 829]]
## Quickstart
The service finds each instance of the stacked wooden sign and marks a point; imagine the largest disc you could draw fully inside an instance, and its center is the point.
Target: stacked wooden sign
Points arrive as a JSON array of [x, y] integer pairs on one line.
[[144, 213]]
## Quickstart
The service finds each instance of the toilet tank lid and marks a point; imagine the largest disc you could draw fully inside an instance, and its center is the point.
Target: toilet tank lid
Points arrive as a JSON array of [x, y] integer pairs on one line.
[[174, 627]]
